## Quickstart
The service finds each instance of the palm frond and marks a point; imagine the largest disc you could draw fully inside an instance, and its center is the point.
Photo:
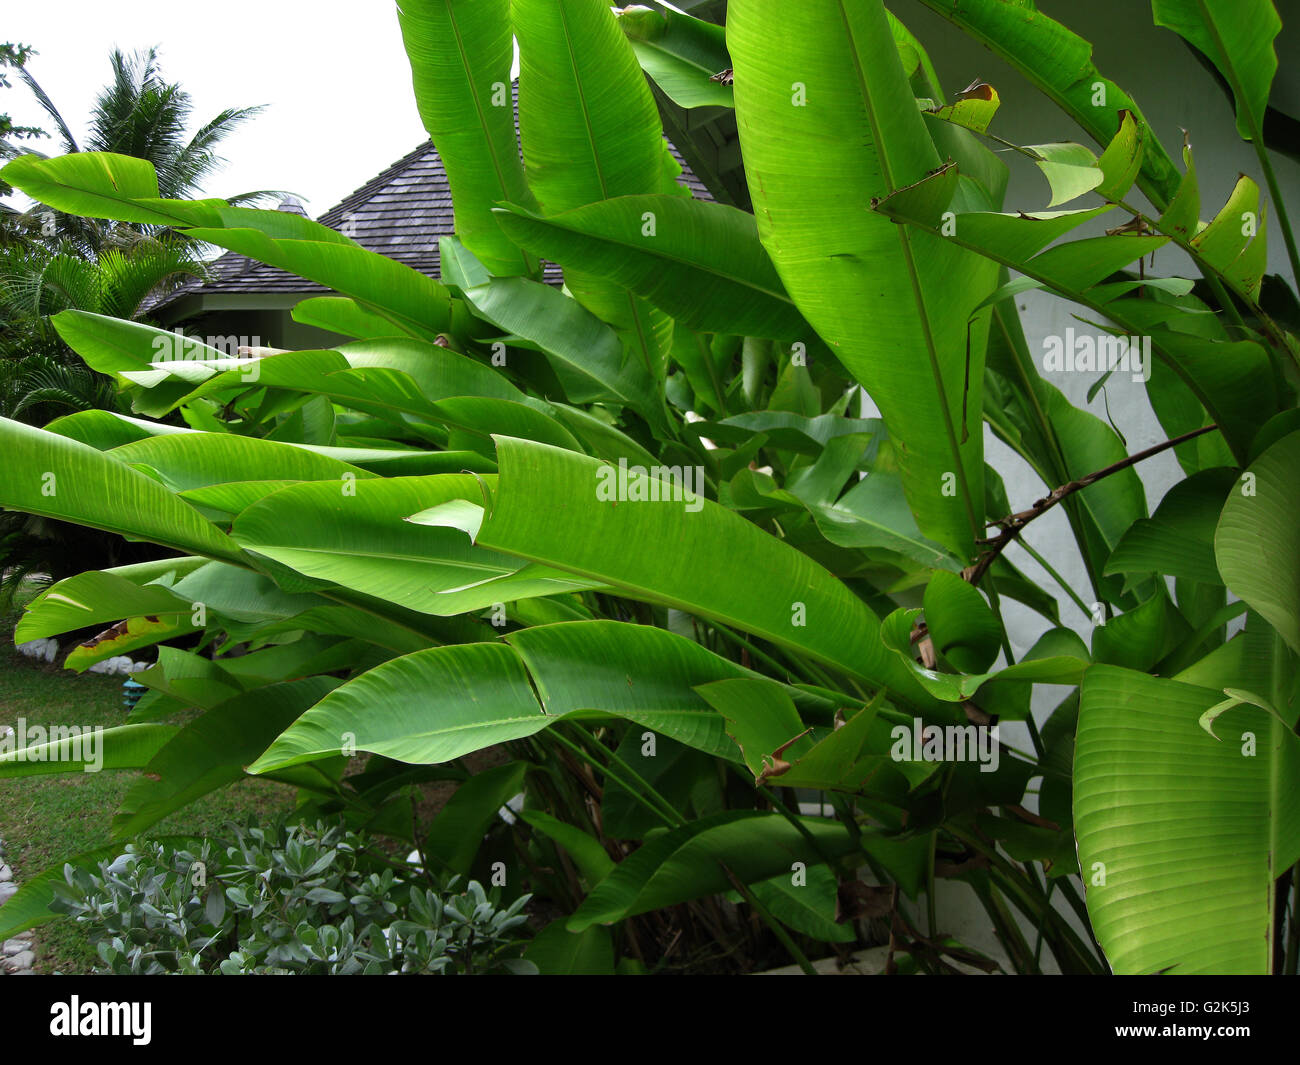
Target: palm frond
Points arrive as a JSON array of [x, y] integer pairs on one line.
[[47, 105]]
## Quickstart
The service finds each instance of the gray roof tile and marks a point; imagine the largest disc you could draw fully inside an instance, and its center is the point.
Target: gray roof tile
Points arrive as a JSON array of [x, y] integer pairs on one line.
[[400, 212]]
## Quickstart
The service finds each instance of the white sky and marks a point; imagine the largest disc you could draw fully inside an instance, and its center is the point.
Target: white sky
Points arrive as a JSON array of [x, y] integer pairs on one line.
[[333, 72]]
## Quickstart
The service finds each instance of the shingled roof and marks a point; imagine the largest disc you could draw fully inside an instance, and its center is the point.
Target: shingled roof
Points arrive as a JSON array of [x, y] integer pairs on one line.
[[399, 213]]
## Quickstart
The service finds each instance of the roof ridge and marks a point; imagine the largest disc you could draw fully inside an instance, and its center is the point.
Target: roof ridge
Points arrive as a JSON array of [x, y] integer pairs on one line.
[[384, 177]]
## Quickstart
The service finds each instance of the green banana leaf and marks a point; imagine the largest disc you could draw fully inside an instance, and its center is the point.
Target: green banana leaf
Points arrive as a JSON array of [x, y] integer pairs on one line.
[[362, 540], [692, 861], [212, 750], [1257, 542], [894, 306], [688, 553], [60, 478], [683, 54], [104, 185], [700, 262], [1180, 834], [590, 131], [121, 747], [1237, 37], [461, 52]]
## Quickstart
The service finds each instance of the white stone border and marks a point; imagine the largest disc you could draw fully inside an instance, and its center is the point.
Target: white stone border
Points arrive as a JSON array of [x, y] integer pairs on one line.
[[17, 955]]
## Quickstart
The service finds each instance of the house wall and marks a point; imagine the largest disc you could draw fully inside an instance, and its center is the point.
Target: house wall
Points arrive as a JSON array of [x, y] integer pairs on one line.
[[268, 327]]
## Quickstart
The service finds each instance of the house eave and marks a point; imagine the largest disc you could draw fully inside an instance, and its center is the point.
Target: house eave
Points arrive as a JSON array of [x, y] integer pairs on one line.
[[193, 304]]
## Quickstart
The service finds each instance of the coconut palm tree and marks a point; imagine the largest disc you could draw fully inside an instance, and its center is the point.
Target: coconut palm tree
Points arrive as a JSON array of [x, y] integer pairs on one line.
[[140, 113]]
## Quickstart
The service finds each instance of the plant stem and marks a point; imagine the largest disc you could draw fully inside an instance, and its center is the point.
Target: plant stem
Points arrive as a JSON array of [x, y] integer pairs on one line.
[[719, 396], [794, 820], [1070, 951], [1074, 596], [801, 959], [1012, 524], [762, 656], [1060, 472], [649, 798]]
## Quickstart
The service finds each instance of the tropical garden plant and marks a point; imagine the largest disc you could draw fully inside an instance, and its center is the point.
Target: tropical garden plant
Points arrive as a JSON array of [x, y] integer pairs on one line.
[[637, 532], [284, 899], [52, 261]]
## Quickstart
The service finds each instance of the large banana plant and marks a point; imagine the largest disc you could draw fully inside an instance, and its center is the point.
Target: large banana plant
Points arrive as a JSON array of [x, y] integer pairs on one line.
[[637, 531]]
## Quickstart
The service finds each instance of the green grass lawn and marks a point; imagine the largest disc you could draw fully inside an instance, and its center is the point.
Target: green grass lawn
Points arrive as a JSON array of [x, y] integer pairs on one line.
[[45, 819]]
